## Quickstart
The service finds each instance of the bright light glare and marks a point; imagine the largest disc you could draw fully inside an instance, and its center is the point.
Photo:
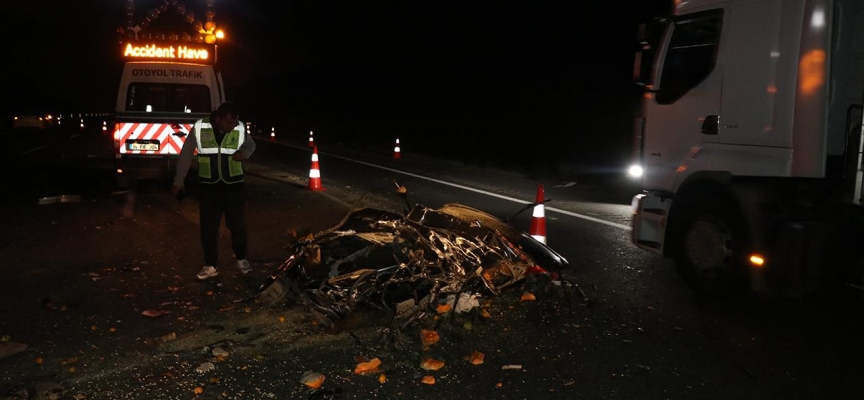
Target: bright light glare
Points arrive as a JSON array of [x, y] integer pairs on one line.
[[635, 171], [817, 20], [757, 260]]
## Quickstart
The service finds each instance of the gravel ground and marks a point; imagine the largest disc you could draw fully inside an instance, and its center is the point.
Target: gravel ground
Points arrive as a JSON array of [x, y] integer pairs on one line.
[[85, 275]]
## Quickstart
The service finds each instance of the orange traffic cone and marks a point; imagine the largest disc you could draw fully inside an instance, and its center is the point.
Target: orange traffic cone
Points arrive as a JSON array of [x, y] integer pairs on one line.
[[273, 133], [538, 219], [397, 153], [311, 140], [315, 172]]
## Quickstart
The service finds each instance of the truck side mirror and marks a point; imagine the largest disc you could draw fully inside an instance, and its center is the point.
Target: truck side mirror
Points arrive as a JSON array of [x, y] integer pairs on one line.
[[648, 36], [642, 58]]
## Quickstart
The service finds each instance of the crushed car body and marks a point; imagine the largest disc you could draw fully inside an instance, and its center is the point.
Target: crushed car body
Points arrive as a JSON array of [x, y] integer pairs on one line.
[[407, 264]]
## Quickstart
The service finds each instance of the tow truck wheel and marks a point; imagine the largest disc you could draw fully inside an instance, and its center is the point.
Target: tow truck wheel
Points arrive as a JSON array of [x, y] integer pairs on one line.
[[711, 245]]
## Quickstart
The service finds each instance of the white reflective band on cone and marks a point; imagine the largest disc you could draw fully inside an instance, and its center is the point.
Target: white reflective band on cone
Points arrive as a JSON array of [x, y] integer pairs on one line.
[[539, 211], [314, 173], [541, 239]]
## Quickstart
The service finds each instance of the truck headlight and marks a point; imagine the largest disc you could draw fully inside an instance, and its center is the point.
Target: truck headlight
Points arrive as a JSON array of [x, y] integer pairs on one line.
[[635, 171]]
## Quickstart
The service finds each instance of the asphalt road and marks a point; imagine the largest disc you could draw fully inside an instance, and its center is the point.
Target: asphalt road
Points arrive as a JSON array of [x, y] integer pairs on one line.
[[80, 273]]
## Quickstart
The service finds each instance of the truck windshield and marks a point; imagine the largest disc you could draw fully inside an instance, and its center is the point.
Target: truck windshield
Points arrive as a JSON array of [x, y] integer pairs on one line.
[[162, 97]]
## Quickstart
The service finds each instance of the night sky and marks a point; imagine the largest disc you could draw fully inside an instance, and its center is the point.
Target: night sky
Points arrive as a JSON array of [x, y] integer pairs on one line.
[[467, 72]]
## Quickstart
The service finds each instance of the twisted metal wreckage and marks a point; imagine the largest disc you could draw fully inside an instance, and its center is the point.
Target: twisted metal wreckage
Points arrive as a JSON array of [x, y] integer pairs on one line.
[[408, 264]]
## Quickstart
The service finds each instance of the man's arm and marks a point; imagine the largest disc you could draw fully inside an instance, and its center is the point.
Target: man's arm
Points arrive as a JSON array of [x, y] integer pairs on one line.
[[246, 149], [185, 160]]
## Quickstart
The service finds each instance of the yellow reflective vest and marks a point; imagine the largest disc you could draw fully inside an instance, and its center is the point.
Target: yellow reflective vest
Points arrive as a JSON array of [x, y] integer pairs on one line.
[[214, 159]]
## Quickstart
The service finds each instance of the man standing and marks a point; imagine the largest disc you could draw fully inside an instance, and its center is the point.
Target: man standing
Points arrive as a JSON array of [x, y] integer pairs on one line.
[[222, 143]]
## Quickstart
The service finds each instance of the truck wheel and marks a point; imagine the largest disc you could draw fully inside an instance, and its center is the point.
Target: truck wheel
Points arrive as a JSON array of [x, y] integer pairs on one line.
[[711, 247]]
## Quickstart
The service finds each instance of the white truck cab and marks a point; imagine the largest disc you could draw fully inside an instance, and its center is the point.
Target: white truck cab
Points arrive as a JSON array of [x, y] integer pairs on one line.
[[749, 142]]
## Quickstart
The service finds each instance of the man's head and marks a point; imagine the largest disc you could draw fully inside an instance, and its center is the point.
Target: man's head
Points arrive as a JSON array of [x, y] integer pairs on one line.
[[226, 117]]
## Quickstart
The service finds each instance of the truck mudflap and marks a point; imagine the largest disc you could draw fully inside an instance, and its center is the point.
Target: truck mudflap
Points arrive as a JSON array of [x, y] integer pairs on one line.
[[650, 213]]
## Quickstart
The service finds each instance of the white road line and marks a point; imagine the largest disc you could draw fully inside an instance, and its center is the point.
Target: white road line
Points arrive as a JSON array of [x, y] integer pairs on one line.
[[483, 192], [34, 149]]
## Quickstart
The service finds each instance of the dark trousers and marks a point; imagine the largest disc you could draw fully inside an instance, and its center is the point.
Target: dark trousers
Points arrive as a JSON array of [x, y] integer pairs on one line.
[[217, 200]]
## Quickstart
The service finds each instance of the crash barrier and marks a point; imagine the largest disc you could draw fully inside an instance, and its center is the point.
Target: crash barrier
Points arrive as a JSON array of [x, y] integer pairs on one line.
[[315, 172], [538, 219], [397, 152]]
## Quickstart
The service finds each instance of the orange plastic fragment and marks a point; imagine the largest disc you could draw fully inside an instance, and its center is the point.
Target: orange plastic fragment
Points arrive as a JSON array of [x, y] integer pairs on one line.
[[431, 364], [382, 378], [476, 358], [528, 296], [153, 313], [428, 379], [313, 380], [443, 308], [429, 337], [367, 367], [198, 390]]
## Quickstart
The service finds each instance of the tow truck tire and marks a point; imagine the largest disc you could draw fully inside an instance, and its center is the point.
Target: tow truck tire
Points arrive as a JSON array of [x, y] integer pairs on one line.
[[711, 246]]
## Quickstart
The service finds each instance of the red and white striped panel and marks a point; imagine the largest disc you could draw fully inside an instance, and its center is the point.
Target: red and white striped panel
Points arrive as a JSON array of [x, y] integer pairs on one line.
[[169, 143]]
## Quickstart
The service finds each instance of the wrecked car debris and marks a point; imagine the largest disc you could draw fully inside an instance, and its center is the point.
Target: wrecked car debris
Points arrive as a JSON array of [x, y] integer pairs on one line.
[[407, 264]]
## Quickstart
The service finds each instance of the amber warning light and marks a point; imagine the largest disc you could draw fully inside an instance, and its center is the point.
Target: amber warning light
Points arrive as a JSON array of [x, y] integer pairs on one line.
[[167, 53]]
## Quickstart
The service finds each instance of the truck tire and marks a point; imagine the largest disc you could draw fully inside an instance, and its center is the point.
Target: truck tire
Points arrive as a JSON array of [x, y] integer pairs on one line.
[[711, 246]]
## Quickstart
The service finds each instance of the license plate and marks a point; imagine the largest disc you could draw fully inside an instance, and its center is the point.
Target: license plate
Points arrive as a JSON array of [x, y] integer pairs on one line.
[[152, 145]]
